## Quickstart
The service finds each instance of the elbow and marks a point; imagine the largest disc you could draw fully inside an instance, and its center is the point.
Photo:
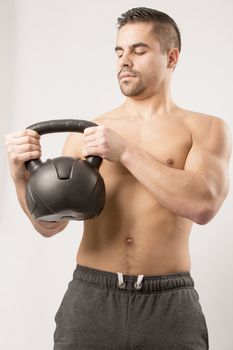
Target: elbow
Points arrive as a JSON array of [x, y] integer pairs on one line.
[[206, 215], [46, 234], [51, 229], [203, 218], [209, 212], [43, 232]]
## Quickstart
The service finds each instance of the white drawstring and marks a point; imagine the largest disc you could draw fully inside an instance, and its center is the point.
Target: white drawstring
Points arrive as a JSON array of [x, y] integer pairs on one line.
[[121, 283], [138, 284]]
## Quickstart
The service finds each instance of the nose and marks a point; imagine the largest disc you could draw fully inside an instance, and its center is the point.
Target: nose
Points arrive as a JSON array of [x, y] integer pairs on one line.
[[125, 60]]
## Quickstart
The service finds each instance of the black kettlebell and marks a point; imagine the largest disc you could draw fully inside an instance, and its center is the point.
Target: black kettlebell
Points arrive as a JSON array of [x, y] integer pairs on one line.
[[64, 188]]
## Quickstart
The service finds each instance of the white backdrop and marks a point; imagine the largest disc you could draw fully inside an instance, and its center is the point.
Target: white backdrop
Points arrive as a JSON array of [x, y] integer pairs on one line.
[[57, 60]]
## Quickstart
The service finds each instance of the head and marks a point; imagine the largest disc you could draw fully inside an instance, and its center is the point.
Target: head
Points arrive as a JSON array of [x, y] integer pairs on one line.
[[148, 46]]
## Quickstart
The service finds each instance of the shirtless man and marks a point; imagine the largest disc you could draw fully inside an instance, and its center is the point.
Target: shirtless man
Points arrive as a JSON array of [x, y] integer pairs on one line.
[[164, 168]]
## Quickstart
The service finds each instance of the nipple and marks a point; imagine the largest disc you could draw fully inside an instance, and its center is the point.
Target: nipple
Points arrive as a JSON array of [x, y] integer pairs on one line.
[[170, 162]]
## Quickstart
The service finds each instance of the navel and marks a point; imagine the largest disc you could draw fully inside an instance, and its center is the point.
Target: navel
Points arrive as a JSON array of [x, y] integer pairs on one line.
[[129, 241], [170, 161]]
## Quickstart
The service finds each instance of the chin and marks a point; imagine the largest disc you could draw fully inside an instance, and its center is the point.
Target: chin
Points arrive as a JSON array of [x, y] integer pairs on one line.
[[130, 90], [131, 93]]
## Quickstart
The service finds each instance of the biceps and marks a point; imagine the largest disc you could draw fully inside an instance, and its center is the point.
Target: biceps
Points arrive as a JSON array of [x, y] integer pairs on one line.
[[212, 167]]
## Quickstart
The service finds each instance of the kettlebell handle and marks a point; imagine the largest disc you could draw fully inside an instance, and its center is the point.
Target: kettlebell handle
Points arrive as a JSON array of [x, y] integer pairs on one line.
[[62, 125]]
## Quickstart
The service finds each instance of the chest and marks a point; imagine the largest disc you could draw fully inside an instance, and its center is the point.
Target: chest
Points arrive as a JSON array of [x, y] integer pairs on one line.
[[167, 142]]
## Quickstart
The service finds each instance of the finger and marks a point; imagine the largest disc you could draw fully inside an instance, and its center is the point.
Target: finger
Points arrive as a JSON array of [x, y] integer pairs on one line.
[[24, 157], [13, 150], [91, 145], [93, 139], [25, 148], [91, 130], [87, 151], [90, 138], [25, 132], [26, 140]]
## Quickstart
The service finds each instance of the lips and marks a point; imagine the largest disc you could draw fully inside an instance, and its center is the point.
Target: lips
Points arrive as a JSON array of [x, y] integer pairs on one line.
[[125, 75]]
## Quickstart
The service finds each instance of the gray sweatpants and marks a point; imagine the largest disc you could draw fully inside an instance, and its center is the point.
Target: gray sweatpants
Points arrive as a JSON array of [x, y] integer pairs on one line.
[[104, 310]]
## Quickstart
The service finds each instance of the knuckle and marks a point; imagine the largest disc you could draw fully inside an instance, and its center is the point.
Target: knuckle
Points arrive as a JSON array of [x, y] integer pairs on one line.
[[32, 133], [31, 155], [8, 141], [8, 148], [28, 131], [37, 153], [88, 130], [103, 129], [30, 147], [14, 156], [103, 141], [25, 132]]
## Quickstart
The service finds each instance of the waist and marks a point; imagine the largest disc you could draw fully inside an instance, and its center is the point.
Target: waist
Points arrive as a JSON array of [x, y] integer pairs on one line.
[[135, 257], [119, 281]]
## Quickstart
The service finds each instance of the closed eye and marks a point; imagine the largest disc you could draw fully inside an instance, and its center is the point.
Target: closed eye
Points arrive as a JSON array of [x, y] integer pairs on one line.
[[139, 53], [119, 54], [136, 53], [133, 48]]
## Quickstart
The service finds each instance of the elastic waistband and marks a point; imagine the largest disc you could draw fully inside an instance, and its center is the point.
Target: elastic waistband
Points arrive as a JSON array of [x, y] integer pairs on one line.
[[133, 283]]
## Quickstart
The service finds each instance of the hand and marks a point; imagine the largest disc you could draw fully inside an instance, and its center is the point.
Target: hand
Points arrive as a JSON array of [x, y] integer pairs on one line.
[[104, 142], [21, 146]]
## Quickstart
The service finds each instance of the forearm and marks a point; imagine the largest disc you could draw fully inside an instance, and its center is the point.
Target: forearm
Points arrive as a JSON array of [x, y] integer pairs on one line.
[[183, 192], [47, 229]]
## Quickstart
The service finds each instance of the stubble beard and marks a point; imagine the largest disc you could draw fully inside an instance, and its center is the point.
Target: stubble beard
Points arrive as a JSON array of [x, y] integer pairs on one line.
[[130, 88]]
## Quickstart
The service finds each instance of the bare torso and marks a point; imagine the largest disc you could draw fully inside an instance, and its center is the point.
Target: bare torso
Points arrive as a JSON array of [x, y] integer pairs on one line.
[[135, 234]]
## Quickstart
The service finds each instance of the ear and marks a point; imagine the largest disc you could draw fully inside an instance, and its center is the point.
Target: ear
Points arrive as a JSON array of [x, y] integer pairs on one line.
[[172, 58]]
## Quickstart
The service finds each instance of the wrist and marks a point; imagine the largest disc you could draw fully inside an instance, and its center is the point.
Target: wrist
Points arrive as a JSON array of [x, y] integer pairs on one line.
[[20, 179], [126, 154]]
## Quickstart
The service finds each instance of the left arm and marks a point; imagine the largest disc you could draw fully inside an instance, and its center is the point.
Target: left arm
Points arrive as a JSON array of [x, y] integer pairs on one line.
[[198, 191]]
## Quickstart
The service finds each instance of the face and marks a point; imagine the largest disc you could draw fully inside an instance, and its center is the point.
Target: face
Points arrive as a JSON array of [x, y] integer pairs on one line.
[[139, 56]]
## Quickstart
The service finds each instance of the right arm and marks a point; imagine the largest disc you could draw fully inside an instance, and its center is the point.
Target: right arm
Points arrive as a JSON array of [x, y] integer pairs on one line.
[[22, 146]]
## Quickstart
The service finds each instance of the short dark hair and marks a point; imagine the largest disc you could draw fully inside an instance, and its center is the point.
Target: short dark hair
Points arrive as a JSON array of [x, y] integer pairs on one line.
[[165, 28]]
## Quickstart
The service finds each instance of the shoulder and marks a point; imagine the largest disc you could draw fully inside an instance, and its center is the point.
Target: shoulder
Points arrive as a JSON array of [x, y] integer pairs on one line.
[[203, 125], [212, 132]]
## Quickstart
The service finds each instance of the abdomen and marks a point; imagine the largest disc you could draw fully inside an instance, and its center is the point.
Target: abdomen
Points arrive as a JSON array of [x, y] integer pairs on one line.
[[134, 233]]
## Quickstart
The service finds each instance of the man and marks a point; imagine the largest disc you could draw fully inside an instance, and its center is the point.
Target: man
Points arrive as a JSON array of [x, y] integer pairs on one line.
[[164, 168]]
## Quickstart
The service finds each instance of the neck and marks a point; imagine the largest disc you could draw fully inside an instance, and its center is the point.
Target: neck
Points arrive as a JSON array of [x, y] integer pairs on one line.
[[148, 107]]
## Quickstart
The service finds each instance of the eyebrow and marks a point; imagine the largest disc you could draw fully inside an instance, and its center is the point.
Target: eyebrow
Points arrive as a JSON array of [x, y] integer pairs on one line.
[[140, 44]]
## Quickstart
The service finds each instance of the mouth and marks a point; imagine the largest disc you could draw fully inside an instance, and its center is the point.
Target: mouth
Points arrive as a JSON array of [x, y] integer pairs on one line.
[[127, 76]]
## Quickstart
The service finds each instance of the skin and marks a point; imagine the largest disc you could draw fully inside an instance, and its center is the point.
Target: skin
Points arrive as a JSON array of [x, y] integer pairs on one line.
[[161, 171]]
